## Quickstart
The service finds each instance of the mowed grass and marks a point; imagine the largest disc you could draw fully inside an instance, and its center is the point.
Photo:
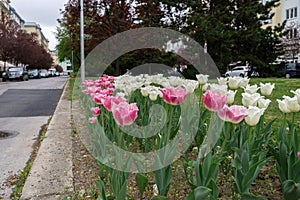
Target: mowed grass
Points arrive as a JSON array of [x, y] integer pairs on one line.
[[282, 87]]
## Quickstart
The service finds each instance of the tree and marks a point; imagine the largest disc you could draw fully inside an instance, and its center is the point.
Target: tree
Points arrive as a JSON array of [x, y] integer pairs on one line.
[[8, 31]]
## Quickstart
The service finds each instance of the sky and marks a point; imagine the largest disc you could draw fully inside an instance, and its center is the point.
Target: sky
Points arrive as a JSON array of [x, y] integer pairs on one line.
[[43, 12]]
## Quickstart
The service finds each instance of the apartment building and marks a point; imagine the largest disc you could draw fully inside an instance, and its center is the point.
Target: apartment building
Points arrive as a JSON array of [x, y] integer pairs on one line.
[[4, 7], [33, 27], [288, 11]]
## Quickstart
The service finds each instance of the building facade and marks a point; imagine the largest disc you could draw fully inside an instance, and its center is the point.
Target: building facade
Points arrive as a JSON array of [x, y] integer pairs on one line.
[[291, 14], [32, 27]]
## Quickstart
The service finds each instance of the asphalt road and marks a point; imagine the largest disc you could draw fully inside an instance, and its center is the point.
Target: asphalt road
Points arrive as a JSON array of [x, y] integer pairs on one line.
[[24, 108], [28, 103]]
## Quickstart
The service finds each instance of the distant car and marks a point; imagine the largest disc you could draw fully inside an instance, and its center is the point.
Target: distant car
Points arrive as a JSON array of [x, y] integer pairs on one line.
[[15, 73], [51, 72], [44, 73], [34, 73], [238, 71], [292, 70]]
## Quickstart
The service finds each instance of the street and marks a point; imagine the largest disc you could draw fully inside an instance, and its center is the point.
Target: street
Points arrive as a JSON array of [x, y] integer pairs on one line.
[[24, 108]]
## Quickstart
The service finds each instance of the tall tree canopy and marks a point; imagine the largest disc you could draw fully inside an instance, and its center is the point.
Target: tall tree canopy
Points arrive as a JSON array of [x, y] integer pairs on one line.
[[232, 29]]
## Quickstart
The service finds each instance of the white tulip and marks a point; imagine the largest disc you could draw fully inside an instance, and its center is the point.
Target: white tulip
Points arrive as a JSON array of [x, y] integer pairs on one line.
[[205, 87], [250, 99], [292, 103], [251, 89], [222, 81], [263, 103], [202, 78], [267, 88], [153, 95], [145, 91], [221, 88], [297, 94], [230, 97], [234, 82], [282, 104], [253, 115], [190, 85], [243, 82]]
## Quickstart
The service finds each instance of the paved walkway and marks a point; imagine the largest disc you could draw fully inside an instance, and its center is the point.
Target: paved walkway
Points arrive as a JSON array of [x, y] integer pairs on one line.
[[51, 175]]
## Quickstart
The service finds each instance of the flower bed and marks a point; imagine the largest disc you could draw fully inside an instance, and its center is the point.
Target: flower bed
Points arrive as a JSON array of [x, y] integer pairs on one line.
[[197, 122]]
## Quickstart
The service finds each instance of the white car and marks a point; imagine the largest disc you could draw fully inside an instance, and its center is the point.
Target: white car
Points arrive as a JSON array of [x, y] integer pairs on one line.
[[238, 71]]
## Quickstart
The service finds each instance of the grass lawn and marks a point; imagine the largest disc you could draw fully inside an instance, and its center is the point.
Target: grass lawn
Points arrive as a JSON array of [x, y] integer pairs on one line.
[[283, 87]]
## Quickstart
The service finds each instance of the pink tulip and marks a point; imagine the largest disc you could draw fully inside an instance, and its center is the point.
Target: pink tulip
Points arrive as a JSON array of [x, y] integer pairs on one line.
[[234, 114], [98, 98], [95, 111], [92, 120], [110, 100], [174, 96], [299, 154], [214, 100], [124, 113]]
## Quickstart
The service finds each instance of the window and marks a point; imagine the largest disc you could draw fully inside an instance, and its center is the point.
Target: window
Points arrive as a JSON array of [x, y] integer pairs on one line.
[[291, 13], [295, 33]]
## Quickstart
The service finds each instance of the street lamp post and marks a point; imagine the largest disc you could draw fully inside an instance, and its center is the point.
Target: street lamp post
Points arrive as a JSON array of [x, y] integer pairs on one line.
[[82, 41]]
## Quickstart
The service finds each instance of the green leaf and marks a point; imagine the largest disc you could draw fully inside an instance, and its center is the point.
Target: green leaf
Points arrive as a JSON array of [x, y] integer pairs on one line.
[[142, 182], [101, 186], [200, 192], [291, 190]]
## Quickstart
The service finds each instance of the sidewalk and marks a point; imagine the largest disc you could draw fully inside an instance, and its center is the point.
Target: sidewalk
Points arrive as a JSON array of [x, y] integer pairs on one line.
[[51, 175]]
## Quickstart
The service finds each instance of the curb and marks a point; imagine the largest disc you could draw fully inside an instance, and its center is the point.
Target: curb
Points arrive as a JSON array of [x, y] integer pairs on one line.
[[51, 175]]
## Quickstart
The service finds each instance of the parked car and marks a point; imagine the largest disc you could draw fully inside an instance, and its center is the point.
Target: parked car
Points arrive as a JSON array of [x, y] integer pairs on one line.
[[34, 73], [242, 71], [51, 72], [15, 73], [238, 71], [292, 70], [44, 73]]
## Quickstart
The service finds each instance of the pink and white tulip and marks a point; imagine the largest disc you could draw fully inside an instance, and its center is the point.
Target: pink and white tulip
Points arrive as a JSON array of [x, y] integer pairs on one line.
[[234, 114], [95, 111], [92, 120], [214, 100], [174, 96], [124, 113], [110, 100]]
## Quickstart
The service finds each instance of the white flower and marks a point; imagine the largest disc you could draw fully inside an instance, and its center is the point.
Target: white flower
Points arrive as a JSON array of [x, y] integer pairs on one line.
[[221, 88], [292, 103], [155, 190], [202, 78], [253, 115], [266, 89], [297, 94], [153, 95], [250, 99], [282, 104], [230, 97], [263, 103], [222, 81], [233, 82], [190, 85], [145, 91], [251, 89], [244, 81], [205, 87]]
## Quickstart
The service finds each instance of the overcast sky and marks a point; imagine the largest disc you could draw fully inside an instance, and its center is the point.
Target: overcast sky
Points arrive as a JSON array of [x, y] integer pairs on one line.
[[43, 12]]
